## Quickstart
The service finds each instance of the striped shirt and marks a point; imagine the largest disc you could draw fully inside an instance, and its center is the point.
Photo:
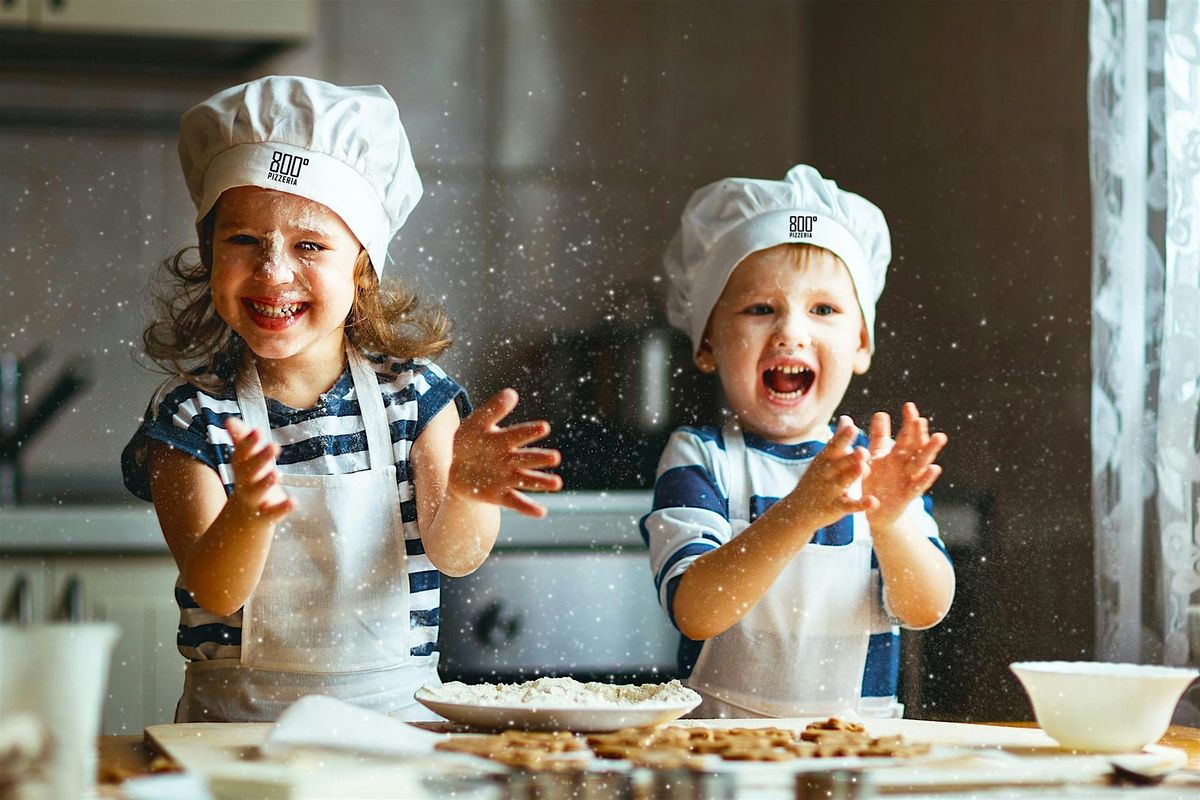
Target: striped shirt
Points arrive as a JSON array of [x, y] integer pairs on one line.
[[327, 439], [690, 517]]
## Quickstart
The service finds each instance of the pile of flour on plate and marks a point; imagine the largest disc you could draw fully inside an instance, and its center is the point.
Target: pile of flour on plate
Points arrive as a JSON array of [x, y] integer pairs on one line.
[[561, 693]]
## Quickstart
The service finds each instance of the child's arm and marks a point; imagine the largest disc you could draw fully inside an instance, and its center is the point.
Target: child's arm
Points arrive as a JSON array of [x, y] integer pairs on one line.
[[464, 472], [219, 544], [722, 585], [917, 577]]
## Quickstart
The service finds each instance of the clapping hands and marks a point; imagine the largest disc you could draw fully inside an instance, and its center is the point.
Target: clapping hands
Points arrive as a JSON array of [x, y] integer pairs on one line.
[[256, 489], [492, 464], [826, 483], [900, 470]]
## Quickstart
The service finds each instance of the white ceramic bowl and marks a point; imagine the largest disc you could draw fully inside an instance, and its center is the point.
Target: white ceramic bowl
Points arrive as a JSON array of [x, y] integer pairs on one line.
[[1100, 707]]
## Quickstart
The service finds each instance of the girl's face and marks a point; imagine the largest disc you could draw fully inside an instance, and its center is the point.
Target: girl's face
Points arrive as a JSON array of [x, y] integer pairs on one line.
[[282, 273], [785, 338]]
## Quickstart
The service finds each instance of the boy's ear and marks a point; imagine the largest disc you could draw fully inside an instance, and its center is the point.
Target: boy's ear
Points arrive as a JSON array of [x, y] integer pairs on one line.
[[862, 354], [706, 362]]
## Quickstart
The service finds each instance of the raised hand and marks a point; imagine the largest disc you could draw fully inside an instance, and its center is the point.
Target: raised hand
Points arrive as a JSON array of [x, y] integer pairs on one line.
[[824, 488], [492, 464], [903, 470], [256, 489]]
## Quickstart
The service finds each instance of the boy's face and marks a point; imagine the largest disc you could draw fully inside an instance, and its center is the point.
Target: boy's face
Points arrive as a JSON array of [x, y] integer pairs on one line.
[[282, 272], [785, 339]]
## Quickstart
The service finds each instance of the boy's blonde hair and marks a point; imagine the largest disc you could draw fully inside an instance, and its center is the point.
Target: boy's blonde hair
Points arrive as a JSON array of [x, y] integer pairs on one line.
[[189, 338]]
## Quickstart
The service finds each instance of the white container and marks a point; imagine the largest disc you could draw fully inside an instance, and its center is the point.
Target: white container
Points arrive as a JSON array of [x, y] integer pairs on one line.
[[1101, 707], [58, 674]]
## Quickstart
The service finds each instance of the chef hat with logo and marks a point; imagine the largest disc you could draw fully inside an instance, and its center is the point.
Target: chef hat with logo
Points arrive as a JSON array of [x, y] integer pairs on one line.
[[728, 220], [341, 146]]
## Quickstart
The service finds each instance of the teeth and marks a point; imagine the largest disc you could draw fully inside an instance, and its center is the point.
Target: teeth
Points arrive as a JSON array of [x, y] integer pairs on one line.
[[788, 369], [275, 311]]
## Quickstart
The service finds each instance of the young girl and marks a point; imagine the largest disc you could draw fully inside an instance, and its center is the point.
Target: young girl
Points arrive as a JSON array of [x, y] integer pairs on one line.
[[308, 465]]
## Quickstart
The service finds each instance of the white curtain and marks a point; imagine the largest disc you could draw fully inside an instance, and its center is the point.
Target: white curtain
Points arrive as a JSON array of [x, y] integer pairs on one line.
[[1144, 106]]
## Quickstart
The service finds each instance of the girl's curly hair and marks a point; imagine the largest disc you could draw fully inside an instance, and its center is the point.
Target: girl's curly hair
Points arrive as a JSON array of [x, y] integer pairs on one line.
[[189, 338]]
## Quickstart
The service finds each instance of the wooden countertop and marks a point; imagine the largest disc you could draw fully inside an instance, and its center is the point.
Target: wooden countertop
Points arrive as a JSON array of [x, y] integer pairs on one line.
[[123, 757], [1185, 738]]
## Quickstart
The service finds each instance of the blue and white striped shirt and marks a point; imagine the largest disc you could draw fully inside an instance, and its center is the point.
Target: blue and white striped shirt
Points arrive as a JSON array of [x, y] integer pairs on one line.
[[327, 439], [691, 517]]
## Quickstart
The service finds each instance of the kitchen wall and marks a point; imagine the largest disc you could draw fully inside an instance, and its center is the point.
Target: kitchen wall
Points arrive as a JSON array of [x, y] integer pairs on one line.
[[967, 124], [561, 140], [558, 143], [92, 201]]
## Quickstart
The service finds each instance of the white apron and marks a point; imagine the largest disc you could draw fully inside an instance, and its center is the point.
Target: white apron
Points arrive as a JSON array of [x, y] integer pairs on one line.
[[330, 614], [800, 651]]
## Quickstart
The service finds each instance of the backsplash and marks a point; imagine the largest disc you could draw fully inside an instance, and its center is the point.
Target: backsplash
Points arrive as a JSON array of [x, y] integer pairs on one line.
[[547, 191]]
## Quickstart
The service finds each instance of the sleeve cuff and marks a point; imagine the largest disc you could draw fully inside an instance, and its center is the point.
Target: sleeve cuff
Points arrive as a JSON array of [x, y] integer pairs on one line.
[[440, 395], [135, 459]]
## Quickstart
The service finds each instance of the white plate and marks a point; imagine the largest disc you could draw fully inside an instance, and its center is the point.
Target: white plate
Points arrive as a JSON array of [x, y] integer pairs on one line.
[[590, 719]]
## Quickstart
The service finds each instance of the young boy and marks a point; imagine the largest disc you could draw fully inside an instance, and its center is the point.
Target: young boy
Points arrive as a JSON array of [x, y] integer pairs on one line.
[[783, 549]]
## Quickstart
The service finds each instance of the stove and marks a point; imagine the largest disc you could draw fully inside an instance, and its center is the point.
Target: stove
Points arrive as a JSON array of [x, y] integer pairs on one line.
[[568, 595]]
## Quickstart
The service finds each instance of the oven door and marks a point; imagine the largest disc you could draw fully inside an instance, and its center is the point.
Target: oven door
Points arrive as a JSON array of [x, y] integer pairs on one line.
[[589, 614]]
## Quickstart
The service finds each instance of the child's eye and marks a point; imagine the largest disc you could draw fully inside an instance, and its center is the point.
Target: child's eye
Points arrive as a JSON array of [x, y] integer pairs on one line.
[[241, 238], [823, 309], [312, 246], [759, 310]]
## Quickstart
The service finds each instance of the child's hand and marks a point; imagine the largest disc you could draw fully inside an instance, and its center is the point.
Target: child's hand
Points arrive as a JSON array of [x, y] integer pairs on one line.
[[256, 487], [824, 488], [903, 470], [492, 463]]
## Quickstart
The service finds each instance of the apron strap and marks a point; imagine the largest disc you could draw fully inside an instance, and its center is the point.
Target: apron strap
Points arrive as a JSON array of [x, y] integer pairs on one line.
[[370, 404], [253, 405], [738, 477], [250, 398]]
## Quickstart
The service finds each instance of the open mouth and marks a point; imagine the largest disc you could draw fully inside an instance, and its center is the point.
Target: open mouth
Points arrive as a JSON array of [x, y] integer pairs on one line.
[[788, 382], [273, 316]]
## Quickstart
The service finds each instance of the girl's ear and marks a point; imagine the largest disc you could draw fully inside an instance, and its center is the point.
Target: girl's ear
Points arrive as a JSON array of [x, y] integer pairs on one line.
[[706, 362], [862, 354]]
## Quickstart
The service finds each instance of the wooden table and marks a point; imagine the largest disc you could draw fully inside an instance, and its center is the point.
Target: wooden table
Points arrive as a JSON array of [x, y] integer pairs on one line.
[[123, 757], [127, 756], [1186, 739]]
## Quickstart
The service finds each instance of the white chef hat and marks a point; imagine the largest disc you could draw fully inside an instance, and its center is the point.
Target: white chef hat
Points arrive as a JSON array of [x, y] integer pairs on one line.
[[341, 146], [728, 220]]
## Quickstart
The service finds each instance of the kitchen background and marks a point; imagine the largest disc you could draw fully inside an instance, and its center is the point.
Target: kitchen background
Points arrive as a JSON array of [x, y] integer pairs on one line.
[[558, 143]]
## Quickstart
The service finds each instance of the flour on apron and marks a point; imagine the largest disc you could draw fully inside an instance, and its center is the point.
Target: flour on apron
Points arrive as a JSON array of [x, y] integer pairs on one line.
[[801, 650]]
